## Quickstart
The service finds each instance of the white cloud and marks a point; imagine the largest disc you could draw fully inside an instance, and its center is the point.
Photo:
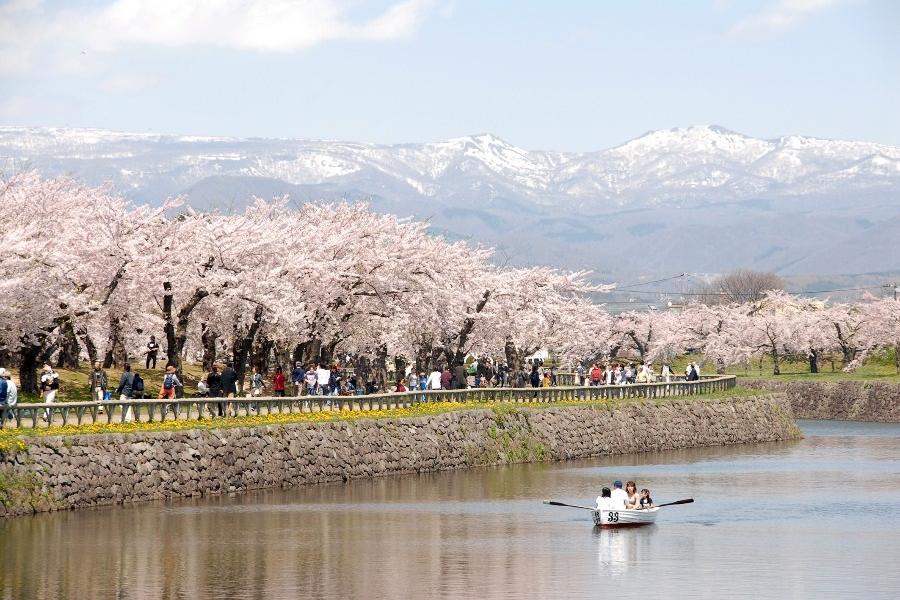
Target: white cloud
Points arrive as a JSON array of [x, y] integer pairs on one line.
[[127, 84], [780, 16], [33, 36]]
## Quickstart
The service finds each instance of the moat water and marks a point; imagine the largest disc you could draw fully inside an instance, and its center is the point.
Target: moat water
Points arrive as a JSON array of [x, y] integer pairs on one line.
[[816, 518]]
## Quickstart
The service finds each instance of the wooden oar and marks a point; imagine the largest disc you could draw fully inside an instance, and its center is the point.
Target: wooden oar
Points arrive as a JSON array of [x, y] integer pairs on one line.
[[555, 503], [592, 508], [685, 501]]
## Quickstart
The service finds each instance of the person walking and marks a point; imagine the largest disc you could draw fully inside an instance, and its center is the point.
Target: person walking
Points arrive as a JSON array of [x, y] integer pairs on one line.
[[229, 384], [323, 379], [278, 382], [151, 352], [49, 388], [460, 378], [169, 383], [99, 383], [4, 387], [214, 388], [126, 384], [12, 396], [256, 383], [298, 374], [535, 376]]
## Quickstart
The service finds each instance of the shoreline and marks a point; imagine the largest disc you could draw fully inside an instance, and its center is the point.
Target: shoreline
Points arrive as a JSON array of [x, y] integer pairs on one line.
[[58, 473]]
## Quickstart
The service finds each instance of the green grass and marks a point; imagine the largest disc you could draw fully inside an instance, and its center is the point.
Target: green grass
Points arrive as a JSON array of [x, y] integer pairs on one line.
[[879, 367]]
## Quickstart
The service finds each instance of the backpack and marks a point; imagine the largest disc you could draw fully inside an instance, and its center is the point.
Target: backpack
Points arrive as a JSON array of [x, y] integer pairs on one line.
[[137, 384], [168, 382]]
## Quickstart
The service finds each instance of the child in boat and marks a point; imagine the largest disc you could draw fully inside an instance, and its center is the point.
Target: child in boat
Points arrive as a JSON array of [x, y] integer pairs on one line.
[[646, 500]]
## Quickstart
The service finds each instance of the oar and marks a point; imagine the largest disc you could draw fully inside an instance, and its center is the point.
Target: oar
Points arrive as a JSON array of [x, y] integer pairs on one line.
[[685, 501], [555, 503]]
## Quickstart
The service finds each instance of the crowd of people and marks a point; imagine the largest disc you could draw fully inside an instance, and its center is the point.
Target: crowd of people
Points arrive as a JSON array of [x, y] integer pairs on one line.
[[324, 379], [630, 373]]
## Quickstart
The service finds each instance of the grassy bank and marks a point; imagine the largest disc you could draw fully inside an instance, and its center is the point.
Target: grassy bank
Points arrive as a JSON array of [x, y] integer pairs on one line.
[[877, 368], [15, 439], [75, 386]]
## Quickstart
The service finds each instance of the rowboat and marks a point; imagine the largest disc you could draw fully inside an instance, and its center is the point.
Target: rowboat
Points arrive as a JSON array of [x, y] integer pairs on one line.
[[625, 518]]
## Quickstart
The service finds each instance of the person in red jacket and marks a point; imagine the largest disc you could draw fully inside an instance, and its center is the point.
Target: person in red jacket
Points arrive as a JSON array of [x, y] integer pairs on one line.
[[596, 374], [278, 380]]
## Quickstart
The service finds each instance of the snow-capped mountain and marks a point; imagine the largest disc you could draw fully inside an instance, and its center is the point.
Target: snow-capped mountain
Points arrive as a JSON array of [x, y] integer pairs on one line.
[[681, 164], [785, 198]]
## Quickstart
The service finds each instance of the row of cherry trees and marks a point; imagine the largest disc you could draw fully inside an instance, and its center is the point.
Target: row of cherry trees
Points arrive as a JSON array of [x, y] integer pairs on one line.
[[777, 325], [85, 273]]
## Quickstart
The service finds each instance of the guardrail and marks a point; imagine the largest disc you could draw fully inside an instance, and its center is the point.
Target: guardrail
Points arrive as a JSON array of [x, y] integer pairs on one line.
[[183, 409]]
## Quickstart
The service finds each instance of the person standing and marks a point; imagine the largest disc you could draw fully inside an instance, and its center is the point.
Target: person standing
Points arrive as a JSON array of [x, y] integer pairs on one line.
[[323, 379], [4, 392], [412, 380], [151, 352], [99, 383], [49, 387], [460, 378], [126, 384], [434, 380], [214, 388], [311, 380], [580, 372], [535, 376], [666, 373], [12, 394], [229, 384], [169, 383], [278, 382], [297, 377], [256, 383], [446, 378]]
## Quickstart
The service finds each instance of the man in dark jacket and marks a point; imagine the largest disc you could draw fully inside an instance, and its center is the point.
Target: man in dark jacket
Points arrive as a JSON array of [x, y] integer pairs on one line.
[[229, 383], [460, 381]]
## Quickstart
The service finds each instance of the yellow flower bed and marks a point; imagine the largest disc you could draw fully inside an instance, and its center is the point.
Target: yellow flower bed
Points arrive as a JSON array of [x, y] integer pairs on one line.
[[15, 439]]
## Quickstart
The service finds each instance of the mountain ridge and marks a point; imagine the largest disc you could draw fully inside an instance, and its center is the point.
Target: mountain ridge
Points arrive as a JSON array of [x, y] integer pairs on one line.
[[697, 198]]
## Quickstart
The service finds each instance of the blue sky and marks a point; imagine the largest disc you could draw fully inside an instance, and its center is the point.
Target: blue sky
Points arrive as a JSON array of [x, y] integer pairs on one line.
[[542, 75]]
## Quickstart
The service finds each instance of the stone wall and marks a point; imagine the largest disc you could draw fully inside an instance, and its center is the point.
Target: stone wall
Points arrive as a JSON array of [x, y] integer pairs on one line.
[[837, 400], [89, 470]]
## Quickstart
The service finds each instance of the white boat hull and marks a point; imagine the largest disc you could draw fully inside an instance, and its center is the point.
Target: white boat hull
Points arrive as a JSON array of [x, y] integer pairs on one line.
[[624, 518]]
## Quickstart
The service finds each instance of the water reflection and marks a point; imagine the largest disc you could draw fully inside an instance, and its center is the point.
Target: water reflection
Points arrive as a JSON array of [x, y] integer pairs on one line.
[[764, 513]]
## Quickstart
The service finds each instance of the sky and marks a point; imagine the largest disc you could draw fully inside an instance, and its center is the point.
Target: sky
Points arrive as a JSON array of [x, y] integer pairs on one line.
[[562, 75]]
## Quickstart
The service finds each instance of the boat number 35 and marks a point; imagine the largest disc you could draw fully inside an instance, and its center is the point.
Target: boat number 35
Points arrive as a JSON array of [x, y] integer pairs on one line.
[[612, 517]]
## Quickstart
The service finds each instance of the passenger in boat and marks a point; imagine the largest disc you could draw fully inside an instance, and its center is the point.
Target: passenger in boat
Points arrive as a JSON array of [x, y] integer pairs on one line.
[[604, 500], [634, 500], [646, 500], [619, 496]]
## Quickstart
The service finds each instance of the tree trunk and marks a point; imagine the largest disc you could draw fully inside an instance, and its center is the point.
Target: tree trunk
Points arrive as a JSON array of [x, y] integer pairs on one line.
[[68, 345], [262, 350], [515, 359], [776, 368], [459, 356], [242, 346], [176, 328], [28, 365], [327, 352], [208, 337], [379, 367], [115, 346], [89, 345]]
